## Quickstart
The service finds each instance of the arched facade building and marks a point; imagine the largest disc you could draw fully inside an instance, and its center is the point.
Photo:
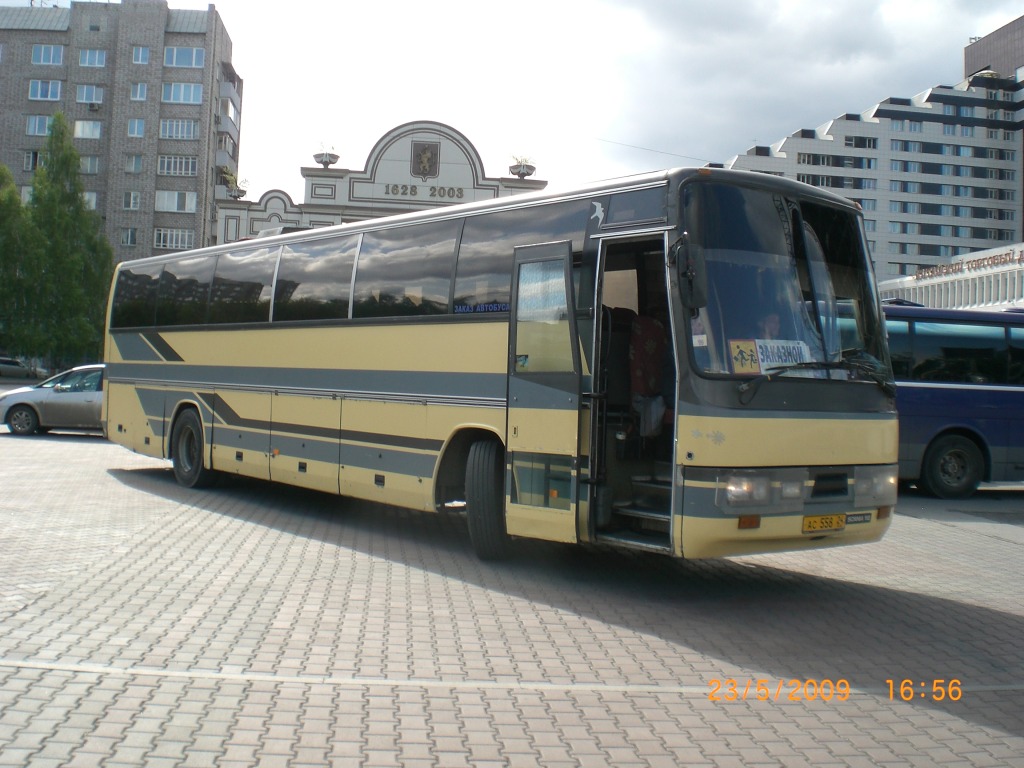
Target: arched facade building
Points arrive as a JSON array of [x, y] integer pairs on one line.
[[415, 166]]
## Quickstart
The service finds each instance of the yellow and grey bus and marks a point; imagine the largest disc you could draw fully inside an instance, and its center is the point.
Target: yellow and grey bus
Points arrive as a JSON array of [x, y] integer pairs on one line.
[[651, 363]]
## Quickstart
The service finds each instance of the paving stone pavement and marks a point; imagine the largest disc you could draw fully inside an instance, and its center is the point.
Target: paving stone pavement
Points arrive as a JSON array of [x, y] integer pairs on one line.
[[142, 624]]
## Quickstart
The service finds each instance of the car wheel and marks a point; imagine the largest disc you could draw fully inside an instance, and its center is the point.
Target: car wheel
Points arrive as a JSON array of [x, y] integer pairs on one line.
[[187, 447], [485, 512], [953, 467], [22, 420]]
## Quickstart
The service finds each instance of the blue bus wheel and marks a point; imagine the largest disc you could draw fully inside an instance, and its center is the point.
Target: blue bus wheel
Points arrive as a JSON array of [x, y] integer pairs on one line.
[[953, 467]]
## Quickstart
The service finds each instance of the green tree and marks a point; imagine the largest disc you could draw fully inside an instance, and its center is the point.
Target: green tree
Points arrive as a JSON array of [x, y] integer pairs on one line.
[[77, 260], [20, 261]]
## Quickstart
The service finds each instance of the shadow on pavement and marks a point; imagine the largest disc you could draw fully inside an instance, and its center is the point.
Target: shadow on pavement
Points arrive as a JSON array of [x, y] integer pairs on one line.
[[786, 624]]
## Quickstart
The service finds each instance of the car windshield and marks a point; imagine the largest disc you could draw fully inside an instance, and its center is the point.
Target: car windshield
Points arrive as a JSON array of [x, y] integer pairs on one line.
[[788, 289]]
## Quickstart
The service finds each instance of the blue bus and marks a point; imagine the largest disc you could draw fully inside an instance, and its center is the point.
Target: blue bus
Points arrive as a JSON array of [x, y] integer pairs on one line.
[[960, 396]]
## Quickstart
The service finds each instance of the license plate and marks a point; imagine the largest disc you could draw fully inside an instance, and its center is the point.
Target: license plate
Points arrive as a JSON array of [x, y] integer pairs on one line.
[[824, 523]]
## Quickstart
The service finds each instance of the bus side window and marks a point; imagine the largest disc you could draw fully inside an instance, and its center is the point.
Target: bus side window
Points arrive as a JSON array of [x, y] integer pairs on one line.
[[314, 279], [183, 296], [899, 348], [406, 271], [241, 286], [1016, 372], [135, 297]]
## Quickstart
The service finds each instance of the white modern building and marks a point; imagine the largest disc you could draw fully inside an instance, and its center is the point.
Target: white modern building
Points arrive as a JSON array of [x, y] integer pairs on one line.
[[938, 175]]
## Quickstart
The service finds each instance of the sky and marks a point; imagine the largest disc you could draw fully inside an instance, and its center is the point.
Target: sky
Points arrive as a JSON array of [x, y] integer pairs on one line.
[[585, 89]]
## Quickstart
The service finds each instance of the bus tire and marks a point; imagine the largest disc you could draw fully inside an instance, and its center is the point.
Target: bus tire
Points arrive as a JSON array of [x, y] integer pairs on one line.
[[187, 451], [22, 420], [485, 509], [952, 468]]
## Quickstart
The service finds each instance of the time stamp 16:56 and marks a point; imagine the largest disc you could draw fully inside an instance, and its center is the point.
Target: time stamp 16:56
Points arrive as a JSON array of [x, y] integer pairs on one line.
[[796, 689]]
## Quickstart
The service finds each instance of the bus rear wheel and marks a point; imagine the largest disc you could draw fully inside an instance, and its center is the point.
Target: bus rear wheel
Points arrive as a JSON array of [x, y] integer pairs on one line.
[[187, 452], [953, 467], [485, 510]]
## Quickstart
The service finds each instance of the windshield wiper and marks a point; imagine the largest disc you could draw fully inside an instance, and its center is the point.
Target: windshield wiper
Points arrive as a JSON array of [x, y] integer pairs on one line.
[[863, 366]]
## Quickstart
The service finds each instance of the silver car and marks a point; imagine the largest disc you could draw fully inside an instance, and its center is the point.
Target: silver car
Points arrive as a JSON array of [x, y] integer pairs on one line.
[[70, 400], [15, 369]]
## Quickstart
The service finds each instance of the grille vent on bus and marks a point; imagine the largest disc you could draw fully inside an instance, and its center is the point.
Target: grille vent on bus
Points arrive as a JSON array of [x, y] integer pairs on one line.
[[830, 484]]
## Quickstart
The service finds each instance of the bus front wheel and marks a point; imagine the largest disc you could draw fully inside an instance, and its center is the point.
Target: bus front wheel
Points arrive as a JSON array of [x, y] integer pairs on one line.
[[187, 447], [953, 467], [485, 511]]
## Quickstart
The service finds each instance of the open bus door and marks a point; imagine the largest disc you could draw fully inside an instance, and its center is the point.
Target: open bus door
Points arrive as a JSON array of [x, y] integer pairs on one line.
[[542, 483]]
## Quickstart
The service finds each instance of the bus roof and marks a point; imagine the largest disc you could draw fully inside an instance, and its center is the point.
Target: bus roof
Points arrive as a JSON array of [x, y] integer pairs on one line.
[[672, 176], [917, 312]]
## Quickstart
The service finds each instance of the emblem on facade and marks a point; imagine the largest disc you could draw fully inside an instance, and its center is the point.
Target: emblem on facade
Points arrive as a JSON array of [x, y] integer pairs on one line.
[[426, 159]]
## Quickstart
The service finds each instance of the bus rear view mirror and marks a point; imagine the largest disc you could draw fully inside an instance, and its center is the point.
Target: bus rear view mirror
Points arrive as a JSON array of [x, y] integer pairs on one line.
[[693, 278]]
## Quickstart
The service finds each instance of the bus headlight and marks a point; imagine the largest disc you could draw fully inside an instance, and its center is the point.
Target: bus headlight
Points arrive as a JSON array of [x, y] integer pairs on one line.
[[747, 489], [774, 490], [875, 486]]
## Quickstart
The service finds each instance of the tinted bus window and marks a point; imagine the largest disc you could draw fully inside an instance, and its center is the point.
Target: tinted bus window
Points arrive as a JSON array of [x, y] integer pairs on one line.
[[899, 348], [959, 352], [406, 271], [638, 205], [135, 296], [1016, 373], [242, 285], [183, 295], [484, 274], [314, 280]]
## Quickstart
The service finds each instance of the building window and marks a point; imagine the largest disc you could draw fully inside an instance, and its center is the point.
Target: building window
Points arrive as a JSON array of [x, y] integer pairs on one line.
[[89, 165], [896, 145], [967, 130], [869, 225], [192, 58], [176, 202], [89, 94], [869, 204], [868, 183], [133, 163], [33, 159], [89, 200], [140, 54], [38, 125], [179, 129], [177, 165], [896, 125], [92, 57], [136, 128], [949, 129], [48, 54], [915, 126], [129, 236], [966, 111], [174, 239], [183, 93], [132, 201], [44, 90], [88, 129], [948, 109], [138, 92]]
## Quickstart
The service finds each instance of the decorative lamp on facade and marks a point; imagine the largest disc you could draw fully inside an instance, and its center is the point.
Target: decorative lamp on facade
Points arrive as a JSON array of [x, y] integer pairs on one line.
[[325, 159]]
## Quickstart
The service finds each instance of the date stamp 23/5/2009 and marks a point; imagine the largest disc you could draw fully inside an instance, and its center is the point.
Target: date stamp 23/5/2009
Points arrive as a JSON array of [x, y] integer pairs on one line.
[[825, 689]]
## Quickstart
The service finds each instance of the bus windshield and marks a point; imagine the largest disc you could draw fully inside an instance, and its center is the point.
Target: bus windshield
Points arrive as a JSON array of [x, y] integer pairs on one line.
[[788, 291]]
